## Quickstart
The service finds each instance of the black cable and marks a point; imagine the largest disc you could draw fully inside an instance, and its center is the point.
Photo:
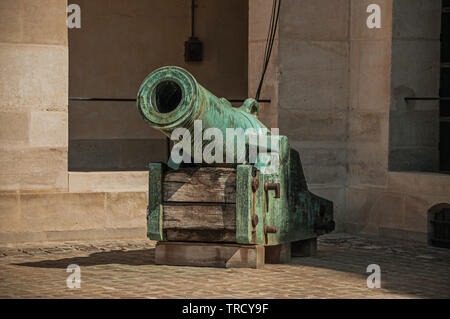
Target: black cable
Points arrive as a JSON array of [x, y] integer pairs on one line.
[[192, 18], [266, 50], [269, 43], [269, 32]]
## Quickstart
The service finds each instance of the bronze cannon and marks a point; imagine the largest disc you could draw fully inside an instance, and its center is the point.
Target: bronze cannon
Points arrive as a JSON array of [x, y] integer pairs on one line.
[[235, 201]]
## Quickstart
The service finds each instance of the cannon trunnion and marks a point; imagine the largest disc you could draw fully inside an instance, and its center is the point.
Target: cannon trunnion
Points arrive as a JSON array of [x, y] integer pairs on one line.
[[235, 214]]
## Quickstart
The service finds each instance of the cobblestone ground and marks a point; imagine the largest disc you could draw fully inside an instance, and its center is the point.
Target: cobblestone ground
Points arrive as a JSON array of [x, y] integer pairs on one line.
[[126, 269]]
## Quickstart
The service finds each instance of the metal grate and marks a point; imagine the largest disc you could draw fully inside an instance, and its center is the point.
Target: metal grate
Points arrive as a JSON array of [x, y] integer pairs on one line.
[[439, 226]]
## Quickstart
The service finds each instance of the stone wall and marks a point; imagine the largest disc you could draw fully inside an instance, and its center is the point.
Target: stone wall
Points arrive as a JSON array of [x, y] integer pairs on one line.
[[119, 44], [393, 65], [39, 199], [37, 202], [330, 86], [335, 105]]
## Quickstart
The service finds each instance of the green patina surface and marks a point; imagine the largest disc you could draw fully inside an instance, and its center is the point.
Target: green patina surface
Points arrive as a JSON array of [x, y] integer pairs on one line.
[[171, 98], [155, 209]]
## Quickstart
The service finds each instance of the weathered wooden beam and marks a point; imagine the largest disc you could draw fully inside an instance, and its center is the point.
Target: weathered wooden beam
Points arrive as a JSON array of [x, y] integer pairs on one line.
[[210, 255], [200, 217], [202, 185], [206, 236], [200, 222]]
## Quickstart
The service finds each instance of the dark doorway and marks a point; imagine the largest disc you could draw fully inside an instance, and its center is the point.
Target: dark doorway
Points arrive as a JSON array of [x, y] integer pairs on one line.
[[439, 226], [444, 141]]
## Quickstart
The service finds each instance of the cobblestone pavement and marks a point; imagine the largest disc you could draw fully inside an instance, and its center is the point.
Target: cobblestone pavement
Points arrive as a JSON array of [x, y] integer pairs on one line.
[[126, 269]]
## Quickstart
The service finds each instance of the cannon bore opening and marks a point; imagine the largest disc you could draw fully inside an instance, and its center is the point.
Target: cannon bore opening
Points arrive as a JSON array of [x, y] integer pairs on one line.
[[168, 96]]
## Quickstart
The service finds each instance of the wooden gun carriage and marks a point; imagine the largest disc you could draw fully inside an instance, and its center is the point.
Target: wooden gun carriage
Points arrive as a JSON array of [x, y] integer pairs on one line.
[[238, 214]]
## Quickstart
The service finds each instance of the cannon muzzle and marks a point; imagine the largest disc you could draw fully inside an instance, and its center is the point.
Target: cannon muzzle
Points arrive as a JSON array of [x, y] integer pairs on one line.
[[170, 98]]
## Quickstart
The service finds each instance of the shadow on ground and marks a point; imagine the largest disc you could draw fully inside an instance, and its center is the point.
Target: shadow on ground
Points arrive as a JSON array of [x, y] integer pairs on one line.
[[409, 271], [402, 271], [122, 257]]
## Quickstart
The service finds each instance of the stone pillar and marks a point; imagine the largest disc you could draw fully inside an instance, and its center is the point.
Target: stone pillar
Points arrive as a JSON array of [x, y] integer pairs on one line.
[[33, 108], [33, 96], [368, 131], [313, 92]]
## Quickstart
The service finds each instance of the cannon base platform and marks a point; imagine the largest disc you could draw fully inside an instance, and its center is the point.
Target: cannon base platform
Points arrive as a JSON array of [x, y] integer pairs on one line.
[[225, 255]]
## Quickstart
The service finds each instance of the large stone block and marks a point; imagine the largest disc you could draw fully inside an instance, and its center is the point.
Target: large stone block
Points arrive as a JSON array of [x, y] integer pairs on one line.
[[14, 128], [370, 75], [66, 235], [420, 183], [369, 127], [97, 234], [326, 156], [49, 129], [63, 211], [359, 204], [33, 168], [389, 209], [417, 19], [314, 20], [323, 164], [367, 165], [328, 175], [126, 210], [33, 77], [374, 209], [313, 75], [416, 209], [10, 216], [301, 126], [22, 237], [31, 21], [108, 181], [359, 16]]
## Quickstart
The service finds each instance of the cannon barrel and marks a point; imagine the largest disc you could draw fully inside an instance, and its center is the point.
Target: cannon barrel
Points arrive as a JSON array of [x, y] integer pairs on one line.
[[272, 202], [171, 98]]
